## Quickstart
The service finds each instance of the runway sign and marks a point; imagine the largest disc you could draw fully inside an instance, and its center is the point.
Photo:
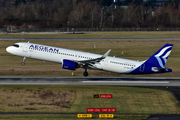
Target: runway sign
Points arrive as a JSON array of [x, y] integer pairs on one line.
[[105, 95], [93, 109], [84, 115], [106, 115], [101, 109], [96, 96], [108, 109]]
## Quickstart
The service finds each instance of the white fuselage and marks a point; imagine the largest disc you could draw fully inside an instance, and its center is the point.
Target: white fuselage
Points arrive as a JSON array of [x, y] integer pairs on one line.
[[55, 54]]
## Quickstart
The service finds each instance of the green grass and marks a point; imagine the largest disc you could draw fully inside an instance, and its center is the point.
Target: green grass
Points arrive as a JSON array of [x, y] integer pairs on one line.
[[68, 117], [126, 100], [120, 34]]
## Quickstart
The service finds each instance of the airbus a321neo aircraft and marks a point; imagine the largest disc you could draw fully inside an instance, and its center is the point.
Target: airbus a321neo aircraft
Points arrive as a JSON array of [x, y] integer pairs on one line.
[[72, 59]]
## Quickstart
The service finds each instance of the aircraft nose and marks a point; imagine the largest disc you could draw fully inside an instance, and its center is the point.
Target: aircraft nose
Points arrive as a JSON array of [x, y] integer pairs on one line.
[[9, 49]]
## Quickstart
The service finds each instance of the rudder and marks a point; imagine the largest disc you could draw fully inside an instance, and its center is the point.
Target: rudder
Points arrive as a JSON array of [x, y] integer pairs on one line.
[[159, 59]]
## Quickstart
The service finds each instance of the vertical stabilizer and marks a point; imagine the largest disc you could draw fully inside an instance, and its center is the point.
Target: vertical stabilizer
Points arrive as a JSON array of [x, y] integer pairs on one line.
[[159, 59]]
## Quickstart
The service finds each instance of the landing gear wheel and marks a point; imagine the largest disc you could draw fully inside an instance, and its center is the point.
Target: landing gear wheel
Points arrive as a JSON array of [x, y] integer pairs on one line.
[[85, 74], [22, 63]]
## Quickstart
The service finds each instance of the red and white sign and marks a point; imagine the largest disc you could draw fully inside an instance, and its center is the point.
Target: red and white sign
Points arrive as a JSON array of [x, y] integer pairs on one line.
[[93, 109], [105, 95], [108, 109]]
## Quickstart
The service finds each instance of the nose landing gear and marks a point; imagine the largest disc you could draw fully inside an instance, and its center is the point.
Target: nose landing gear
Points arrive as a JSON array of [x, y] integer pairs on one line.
[[23, 63]]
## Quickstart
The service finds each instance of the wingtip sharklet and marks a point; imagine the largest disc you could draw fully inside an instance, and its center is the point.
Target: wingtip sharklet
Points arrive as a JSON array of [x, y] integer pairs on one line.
[[106, 54]]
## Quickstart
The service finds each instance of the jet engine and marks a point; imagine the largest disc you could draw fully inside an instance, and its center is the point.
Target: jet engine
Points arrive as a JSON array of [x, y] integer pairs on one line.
[[68, 64]]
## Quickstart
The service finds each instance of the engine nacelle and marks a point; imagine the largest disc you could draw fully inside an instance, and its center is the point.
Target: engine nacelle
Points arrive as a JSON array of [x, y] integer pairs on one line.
[[68, 64]]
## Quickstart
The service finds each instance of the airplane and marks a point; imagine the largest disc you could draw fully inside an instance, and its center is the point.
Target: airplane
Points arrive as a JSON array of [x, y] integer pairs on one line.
[[72, 59]]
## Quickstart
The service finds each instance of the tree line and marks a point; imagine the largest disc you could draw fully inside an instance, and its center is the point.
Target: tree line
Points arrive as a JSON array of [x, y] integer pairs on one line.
[[89, 13]]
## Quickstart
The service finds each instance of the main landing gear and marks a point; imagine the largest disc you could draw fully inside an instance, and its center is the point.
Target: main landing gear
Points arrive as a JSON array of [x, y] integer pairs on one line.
[[23, 63], [85, 73]]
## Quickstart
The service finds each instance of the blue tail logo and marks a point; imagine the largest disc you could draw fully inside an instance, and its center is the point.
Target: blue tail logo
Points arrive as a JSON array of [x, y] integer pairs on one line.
[[159, 59]]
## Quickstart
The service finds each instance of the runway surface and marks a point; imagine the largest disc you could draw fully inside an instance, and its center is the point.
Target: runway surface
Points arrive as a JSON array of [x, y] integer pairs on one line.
[[89, 38], [165, 83], [106, 81]]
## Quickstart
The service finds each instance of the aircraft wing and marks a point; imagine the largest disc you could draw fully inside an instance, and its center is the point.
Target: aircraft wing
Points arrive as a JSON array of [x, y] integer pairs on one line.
[[90, 62]]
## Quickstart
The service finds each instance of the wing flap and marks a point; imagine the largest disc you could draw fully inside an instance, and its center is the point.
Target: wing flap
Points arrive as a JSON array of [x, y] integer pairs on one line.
[[96, 60]]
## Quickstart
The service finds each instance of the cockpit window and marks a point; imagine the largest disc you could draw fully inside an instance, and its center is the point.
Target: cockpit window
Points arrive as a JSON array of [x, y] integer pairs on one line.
[[16, 45]]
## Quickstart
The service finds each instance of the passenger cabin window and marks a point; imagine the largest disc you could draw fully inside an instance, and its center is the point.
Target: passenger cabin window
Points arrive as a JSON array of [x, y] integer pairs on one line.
[[16, 45]]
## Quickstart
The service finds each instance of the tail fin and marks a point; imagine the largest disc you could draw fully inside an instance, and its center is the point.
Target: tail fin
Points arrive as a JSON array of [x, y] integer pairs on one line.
[[159, 59]]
